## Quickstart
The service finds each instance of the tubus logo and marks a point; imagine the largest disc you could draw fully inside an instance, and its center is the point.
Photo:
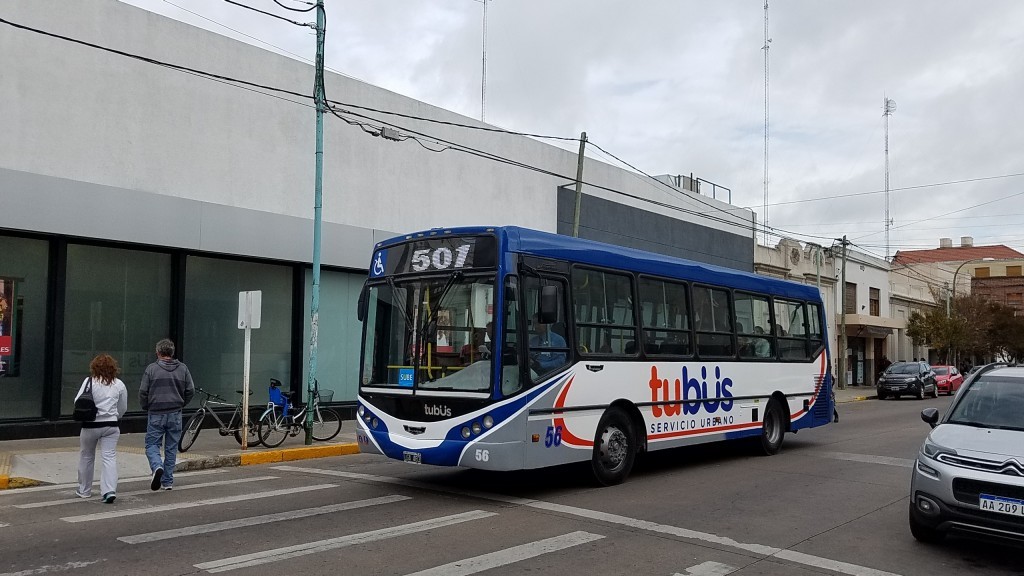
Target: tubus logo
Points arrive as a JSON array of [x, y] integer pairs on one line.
[[432, 410], [687, 389]]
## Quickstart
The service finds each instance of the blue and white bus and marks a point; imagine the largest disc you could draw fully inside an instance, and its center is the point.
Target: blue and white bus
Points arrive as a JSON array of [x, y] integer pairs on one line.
[[507, 348]]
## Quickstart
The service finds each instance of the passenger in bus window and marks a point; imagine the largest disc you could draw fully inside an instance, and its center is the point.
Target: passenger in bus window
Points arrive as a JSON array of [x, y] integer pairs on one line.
[[762, 348], [541, 339]]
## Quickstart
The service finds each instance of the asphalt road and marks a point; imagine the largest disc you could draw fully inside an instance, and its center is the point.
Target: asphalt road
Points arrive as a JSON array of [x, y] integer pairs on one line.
[[834, 501]]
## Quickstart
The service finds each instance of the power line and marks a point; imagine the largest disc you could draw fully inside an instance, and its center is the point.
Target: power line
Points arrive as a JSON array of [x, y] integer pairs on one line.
[[932, 185], [947, 213], [311, 8], [272, 15]]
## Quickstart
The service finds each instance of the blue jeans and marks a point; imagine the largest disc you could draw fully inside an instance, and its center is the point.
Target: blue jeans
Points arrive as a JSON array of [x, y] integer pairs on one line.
[[165, 428]]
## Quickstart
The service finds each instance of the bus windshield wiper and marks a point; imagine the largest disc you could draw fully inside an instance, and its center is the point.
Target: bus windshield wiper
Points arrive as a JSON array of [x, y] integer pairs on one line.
[[398, 303]]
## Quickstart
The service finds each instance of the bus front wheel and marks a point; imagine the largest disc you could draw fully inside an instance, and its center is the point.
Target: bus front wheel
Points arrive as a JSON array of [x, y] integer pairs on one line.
[[772, 429], [614, 448]]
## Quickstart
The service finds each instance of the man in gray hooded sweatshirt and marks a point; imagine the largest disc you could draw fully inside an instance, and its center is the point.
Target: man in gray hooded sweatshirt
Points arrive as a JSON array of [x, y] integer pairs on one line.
[[166, 388]]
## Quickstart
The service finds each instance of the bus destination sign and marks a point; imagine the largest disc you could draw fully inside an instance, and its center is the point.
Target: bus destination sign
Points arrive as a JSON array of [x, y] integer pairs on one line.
[[435, 254]]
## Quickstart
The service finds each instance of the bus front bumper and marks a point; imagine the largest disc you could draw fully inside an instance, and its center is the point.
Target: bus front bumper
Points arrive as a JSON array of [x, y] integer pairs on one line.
[[472, 453]]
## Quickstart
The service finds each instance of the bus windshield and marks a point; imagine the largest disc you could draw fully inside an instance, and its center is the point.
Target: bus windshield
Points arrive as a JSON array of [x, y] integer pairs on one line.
[[429, 333]]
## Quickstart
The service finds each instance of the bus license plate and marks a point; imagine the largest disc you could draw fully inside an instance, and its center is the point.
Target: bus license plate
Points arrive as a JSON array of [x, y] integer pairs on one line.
[[413, 457], [1002, 505]]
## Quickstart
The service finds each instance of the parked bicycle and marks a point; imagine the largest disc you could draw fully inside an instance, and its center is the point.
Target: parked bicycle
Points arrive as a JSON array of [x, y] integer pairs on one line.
[[232, 426], [281, 418]]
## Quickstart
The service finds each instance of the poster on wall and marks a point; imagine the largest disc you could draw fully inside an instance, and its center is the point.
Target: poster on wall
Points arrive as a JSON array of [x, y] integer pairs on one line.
[[8, 312]]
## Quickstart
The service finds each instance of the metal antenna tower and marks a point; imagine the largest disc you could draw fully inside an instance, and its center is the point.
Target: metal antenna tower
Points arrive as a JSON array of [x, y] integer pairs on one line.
[[888, 108], [483, 75], [764, 204]]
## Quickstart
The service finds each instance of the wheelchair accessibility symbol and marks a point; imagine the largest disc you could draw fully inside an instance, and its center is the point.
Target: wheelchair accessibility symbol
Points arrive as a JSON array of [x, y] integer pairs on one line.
[[378, 265]]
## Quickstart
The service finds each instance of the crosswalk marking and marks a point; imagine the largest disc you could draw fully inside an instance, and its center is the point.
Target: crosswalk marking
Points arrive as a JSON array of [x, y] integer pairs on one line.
[[510, 555], [177, 475], [709, 569], [867, 458], [195, 503], [767, 551], [50, 568], [267, 556], [259, 520], [147, 491]]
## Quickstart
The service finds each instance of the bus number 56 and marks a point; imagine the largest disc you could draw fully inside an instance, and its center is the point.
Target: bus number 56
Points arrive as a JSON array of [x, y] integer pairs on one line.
[[553, 437]]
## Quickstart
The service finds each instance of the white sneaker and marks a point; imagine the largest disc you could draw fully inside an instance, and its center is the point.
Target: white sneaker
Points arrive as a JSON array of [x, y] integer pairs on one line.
[[80, 495], [168, 487]]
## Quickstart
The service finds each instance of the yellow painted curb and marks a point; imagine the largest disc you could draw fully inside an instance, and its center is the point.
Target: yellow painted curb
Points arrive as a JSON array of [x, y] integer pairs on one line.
[[289, 454], [5, 482]]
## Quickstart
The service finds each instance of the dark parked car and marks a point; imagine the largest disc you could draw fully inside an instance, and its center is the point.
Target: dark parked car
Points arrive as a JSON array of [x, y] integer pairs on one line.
[[907, 378], [969, 475]]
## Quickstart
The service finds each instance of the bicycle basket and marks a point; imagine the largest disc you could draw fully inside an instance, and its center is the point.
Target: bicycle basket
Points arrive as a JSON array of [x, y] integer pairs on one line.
[[326, 395]]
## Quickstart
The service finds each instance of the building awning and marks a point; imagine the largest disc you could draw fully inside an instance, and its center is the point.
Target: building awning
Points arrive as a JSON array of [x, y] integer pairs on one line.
[[868, 330]]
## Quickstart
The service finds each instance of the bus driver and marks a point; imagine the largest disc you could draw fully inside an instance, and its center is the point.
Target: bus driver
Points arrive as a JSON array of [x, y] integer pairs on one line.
[[544, 361]]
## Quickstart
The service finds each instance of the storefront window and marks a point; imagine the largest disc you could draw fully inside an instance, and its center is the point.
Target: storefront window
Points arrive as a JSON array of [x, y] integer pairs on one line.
[[23, 282], [338, 334], [214, 345], [116, 302]]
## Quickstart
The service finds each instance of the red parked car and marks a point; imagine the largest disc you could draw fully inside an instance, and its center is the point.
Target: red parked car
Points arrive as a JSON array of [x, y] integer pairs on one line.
[[948, 379]]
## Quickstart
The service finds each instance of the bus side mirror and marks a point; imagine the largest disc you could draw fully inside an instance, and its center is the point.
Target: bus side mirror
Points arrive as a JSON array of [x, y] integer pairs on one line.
[[547, 309], [362, 304]]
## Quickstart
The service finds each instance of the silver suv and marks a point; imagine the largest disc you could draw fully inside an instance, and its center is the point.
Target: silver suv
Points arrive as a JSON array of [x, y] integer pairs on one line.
[[969, 475]]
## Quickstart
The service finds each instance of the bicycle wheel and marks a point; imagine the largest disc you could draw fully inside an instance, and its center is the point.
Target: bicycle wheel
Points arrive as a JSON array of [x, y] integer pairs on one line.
[[253, 438], [273, 429], [191, 432], [326, 424]]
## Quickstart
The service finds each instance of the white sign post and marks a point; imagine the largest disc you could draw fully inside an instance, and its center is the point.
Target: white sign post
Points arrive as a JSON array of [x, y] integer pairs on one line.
[[249, 307]]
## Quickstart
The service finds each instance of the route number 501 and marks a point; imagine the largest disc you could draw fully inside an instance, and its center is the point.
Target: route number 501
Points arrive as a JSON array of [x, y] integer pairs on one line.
[[440, 258], [483, 455]]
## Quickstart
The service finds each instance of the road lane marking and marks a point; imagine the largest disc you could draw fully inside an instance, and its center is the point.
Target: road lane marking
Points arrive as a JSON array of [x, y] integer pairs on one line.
[[148, 491], [867, 458], [50, 568], [766, 551], [509, 555], [709, 569], [148, 477], [259, 520], [278, 554], [194, 503]]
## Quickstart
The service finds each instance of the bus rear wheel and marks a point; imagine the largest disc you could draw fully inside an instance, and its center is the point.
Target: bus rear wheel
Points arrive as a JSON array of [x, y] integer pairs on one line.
[[614, 448], [772, 429]]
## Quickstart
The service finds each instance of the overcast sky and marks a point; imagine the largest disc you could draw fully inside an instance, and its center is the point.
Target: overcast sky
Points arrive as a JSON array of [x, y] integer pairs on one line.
[[677, 87]]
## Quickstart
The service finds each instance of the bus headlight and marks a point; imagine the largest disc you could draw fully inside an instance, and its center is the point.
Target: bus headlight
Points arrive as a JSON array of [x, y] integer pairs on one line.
[[465, 432], [374, 424], [361, 410], [488, 422], [476, 427]]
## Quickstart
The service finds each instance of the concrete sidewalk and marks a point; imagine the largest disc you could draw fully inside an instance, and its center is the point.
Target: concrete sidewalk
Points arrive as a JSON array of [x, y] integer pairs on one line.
[[855, 394], [55, 460]]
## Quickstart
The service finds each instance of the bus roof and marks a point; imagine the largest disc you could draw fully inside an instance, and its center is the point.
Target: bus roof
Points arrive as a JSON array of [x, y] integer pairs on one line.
[[558, 246]]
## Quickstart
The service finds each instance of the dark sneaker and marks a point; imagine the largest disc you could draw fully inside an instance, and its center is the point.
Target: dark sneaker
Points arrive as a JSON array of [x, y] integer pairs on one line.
[[167, 487], [157, 475], [108, 498]]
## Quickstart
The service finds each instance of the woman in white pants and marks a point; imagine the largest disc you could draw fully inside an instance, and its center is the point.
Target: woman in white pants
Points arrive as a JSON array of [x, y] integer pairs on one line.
[[111, 399]]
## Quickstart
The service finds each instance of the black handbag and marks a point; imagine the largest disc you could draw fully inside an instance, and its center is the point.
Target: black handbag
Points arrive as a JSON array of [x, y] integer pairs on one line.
[[85, 407]]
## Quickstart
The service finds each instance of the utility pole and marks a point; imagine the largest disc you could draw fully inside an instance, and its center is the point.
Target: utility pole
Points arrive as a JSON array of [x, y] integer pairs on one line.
[[314, 316], [483, 73], [842, 323], [579, 187], [887, 109], [764, 204]]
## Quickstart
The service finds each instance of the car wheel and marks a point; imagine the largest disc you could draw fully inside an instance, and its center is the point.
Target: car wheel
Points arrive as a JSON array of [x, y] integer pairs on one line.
[[881, 395], [920, 392], [935, 391], [923, 533]]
